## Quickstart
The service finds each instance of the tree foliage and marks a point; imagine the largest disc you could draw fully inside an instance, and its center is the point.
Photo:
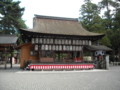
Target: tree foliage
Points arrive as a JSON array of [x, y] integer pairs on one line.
[[10, 17], [109, 6], [90, 16], [108, 22]]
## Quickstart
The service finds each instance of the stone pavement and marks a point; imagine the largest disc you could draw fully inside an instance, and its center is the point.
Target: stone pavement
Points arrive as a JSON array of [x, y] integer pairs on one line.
[[17, 79]]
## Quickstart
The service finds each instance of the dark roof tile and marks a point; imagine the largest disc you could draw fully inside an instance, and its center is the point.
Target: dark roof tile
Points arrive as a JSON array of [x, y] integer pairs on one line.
[[8, 39]]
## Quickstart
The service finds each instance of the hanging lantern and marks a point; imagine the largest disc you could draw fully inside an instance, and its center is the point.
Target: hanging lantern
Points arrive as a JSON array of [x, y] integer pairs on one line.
[[74, 42], [74, 48], [59, 41], [62, 41], [46, 47], [69, 41], [83, 42], [36, 47], [60, 47], [64, 48], [47, 41], [51, 41], [42, 47], [80, 42], [68, 48], [40, 40], [90, 43], [53, 47], [57, 48], [55, 41], [49, 47], [80, 48], [33, 41], [86, 42], [44, 40], [36, 40]]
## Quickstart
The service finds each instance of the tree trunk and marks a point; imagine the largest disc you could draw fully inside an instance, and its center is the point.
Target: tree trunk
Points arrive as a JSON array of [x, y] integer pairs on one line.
[[113, 53], [119, 54]]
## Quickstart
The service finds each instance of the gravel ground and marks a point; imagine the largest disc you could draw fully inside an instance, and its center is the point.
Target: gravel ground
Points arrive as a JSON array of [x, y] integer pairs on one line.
[[17, 79]]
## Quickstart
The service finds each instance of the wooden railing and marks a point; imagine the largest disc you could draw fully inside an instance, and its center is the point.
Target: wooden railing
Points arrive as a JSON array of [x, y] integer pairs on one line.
[[115, 63]]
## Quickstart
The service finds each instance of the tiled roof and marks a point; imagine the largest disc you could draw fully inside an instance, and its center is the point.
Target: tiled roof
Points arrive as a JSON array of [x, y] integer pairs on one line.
[[8, 39], [98, 47]]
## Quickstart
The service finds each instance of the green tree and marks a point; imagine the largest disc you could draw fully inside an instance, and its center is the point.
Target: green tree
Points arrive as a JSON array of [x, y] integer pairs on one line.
[[115, 42], [115, 33], [109, 23], [10, 17], [112, 23], [89, 16], [108, 14], [116, 18], [92, 21]]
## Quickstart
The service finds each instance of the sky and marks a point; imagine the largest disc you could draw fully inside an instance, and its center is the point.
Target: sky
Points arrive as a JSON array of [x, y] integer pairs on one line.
[[60, 8]]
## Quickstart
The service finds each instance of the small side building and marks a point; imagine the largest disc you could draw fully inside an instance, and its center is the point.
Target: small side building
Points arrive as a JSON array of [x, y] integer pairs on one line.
[[99, 55], [7, 46]]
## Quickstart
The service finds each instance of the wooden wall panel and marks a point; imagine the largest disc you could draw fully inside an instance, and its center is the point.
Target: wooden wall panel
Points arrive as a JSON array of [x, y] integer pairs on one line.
[[25, 55]]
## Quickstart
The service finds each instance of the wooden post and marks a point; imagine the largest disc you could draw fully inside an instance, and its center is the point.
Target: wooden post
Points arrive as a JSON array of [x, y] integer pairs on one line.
[[62, 57], [58, 56], [5, 59], [11, 60], [72, 56], [39, 54], [54, 57], [82, 53]]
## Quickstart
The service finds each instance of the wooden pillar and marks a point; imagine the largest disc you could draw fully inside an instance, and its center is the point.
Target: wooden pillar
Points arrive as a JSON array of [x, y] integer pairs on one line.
[[53, 56], [82, 53], [63, 57], [72, 57], [5, 58], [11, 60], [58, 56], [39, 54]]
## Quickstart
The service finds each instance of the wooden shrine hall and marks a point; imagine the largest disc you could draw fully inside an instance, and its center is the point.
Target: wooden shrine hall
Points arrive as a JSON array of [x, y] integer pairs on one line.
[[55, 40]]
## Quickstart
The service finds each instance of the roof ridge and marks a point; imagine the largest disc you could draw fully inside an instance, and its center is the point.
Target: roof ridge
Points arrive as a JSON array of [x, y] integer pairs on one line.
[[55, 17]]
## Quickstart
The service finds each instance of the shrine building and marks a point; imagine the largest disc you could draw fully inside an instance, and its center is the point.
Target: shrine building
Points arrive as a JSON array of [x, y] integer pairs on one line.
[[55, 40]]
